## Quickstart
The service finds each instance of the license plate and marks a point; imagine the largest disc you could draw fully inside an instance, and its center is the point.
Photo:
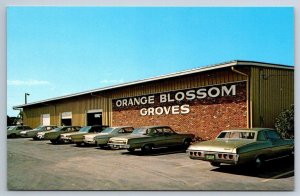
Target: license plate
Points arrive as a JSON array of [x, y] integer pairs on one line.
[[210, 157]]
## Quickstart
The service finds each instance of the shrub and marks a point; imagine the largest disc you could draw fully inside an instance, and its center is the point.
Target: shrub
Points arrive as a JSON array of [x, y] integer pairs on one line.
[[284, 123]]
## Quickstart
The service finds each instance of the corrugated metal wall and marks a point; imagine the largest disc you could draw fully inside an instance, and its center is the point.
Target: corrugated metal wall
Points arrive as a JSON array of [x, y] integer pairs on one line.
[[79, 105], [185, 82], [271, 91]]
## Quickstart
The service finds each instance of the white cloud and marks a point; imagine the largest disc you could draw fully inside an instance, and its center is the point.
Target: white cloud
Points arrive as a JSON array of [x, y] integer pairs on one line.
[[111, 81], [27, 82]]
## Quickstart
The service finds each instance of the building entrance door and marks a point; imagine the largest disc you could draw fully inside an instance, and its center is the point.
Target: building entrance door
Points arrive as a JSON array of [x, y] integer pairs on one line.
[[66, 119], [94, 117]]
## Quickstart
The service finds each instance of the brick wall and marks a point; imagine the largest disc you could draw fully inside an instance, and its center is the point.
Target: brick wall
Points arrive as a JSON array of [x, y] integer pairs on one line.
[[205, 119]]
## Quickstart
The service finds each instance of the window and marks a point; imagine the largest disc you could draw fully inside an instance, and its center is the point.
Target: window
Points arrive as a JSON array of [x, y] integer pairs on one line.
[[168, 131], [128, 129], [273, 135], [261, 136]]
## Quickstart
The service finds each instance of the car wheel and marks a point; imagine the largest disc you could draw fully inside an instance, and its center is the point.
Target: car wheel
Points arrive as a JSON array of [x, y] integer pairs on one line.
[[130, 149], [259, 162], [186, 143], [35, 138], [101, 145], [13, 135], [215, 164], [147, 148], [78, 143], [53, 141]]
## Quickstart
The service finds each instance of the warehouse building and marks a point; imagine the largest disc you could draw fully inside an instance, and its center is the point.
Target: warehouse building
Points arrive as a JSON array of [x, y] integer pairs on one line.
[[203, 101]]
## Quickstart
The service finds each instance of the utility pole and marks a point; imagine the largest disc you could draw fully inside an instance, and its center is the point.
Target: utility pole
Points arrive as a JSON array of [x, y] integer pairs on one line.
[[26, 94]]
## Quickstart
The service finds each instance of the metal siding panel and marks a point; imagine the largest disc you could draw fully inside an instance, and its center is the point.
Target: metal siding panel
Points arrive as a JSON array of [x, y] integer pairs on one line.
[[277, 94], [81, 104]]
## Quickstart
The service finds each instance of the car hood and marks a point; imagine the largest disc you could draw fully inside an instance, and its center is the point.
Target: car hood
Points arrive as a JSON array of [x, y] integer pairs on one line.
[[68, 134], [78, 133], [220, 145], [46, 132], [94, 134], [28, 131]]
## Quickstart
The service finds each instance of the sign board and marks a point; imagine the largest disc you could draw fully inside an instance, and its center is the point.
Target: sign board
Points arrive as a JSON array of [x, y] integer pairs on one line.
[[66, 115], [178, 102]]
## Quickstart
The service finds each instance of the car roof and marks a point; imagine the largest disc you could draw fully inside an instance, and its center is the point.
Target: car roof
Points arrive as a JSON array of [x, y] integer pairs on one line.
[[249, 129], [157, 126], [122, 127], [67, 126]]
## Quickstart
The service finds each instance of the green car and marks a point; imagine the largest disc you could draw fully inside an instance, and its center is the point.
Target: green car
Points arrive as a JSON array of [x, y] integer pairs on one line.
[[77, 137], [102, 138], [15, 131], [243, 146], [146, 138], [54, 135], [33, 133]]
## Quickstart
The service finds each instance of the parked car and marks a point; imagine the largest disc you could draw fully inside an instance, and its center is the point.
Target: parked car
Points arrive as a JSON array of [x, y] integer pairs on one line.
[[150, 137], [242, 146], [54, 135], [77, 137], [33, 133], [88, 139], [102, 138], [15, 131]]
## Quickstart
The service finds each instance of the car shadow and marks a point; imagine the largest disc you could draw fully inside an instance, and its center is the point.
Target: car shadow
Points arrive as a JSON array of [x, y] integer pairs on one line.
[[84, 146], [280, 168], [157, 151], [57, 144]]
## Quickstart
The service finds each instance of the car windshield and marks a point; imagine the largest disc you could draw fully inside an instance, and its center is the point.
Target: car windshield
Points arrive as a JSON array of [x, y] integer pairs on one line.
[[85, 129], [11, 128], [139, 131], [57, 129], [107, 130], [236, 135], [38, 128]]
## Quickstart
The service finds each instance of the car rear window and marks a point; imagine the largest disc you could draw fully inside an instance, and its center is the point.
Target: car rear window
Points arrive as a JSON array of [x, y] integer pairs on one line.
[[236, 135]]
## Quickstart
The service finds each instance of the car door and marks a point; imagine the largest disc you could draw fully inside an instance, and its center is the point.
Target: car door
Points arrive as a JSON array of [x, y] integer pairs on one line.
[[157, 137], [171, 137], [279, 146]]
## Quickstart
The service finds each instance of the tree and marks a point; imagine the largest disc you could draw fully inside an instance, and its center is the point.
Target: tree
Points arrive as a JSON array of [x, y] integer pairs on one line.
[[284, 123]]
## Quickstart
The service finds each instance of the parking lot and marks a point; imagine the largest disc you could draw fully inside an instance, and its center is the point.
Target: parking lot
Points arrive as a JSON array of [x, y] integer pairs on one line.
[[40, 165]]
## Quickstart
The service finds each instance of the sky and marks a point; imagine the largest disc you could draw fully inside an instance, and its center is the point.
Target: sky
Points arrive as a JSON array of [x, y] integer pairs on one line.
[[55, 51]]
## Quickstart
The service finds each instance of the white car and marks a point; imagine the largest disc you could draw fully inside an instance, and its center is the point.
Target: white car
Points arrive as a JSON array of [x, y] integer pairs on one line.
[[102, 138], [33, 133]]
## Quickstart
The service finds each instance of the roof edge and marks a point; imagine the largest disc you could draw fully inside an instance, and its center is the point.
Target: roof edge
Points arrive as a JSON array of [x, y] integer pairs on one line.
[[166, 76]]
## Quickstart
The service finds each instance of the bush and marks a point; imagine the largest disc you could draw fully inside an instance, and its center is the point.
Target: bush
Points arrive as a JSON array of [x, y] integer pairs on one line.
[[284, 123]]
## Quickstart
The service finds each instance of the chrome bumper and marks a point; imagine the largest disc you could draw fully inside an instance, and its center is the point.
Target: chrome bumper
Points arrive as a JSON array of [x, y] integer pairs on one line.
[[116, 145]]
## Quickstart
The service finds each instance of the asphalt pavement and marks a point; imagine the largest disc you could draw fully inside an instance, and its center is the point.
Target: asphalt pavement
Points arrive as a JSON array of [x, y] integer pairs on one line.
[[40, 165]]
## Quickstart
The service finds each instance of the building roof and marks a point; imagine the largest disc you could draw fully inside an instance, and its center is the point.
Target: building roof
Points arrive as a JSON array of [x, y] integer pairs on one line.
[[166, 76]]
